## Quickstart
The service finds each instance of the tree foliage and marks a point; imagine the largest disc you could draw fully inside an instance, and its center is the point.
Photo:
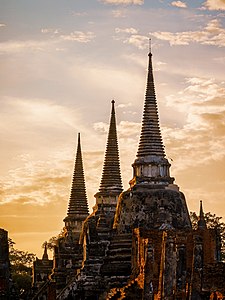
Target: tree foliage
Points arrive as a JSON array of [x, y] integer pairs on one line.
[[212, 222], [21, 268], [53, 240]]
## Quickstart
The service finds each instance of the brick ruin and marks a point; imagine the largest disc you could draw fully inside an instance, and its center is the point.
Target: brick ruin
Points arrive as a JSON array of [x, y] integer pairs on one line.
[[42, 268], [4, 265], [139, 243]]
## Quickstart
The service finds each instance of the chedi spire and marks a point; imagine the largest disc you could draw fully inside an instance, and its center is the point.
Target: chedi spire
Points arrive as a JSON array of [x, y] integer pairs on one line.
[[151, 166], [78, 206], [111, 177], [150, 139]]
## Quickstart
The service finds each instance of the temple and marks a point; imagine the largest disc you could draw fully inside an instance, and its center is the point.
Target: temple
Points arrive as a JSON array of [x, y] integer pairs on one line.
[[139, 243]]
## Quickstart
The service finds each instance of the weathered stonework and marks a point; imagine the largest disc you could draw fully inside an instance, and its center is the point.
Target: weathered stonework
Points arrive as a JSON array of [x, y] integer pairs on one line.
[[42, 268], [138, 244], [151, 208], [4, 265]]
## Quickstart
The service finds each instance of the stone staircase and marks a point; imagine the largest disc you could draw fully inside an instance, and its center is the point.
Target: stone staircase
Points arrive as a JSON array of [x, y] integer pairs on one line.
[[116, 268]]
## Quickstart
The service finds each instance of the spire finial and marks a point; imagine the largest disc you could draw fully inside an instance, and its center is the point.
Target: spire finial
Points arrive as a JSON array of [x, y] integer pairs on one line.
[[111, 177], [201, 218], [150, 46], [45, 254], [78, 206]]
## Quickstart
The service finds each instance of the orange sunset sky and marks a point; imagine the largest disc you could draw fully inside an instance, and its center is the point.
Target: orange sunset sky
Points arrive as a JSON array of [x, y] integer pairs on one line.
[[62, 62]]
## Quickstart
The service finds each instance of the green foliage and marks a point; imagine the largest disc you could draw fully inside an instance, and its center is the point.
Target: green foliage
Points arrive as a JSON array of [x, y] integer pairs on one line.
[[21, 268], [213, 222]]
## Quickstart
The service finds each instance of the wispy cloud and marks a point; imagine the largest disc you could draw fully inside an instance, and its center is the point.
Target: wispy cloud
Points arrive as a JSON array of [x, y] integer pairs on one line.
[[38, 112], [203, 134], [212, 34], [50, 30], [118, 13], [79, 36], [215, 4], [179, 4], [53, 43], [200, 95], [131, 36], [124, 105], [127, 129], [101, 127], [19, 46], [79, 13], [2, 25], [123, 2], [130, 30], [44, 177], [36, 182]]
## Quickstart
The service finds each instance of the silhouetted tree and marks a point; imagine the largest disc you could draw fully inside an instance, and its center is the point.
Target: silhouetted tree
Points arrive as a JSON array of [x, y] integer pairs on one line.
[[53, 240], [213, 222], [21, 269]]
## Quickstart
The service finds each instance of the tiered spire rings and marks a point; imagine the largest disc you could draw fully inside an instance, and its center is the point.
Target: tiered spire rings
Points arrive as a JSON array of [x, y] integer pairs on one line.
[[151, 166], [78, 206], [111, 177], [150, 140]]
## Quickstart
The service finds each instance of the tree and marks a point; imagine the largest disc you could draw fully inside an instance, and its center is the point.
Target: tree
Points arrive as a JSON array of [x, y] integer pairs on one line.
[[53, 240], [21, 269], [213, 222]]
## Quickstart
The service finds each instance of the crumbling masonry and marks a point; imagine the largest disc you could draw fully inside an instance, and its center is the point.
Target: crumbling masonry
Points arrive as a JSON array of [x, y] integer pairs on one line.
[[137, 244]]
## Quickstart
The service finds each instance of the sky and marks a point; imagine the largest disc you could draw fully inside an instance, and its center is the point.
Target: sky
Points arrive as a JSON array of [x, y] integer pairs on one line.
[[63, 61]]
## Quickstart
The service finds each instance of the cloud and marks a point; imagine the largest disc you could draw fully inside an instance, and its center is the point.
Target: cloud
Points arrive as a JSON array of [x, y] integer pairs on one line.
[[200, 96], [118, 14], [36, 112], [124, 105], [20, 46], [36, 182], [79, 36], [212, 34], [200, 141], [101, 127], [215, 4], [127, 129], [2, 25], [46, 45], [179, 4], [139, 41], [123, 2], [50, 30], [130, 30], [42, 129], [79, 14]]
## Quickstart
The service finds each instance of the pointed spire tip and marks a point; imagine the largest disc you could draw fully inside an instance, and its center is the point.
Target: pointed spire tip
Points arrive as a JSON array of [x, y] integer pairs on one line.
[[111, 165], [201, 218], [150, 47], [78, 198]]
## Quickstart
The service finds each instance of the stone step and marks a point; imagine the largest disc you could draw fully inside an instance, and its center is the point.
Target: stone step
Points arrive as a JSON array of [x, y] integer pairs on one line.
[[119, 250]]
